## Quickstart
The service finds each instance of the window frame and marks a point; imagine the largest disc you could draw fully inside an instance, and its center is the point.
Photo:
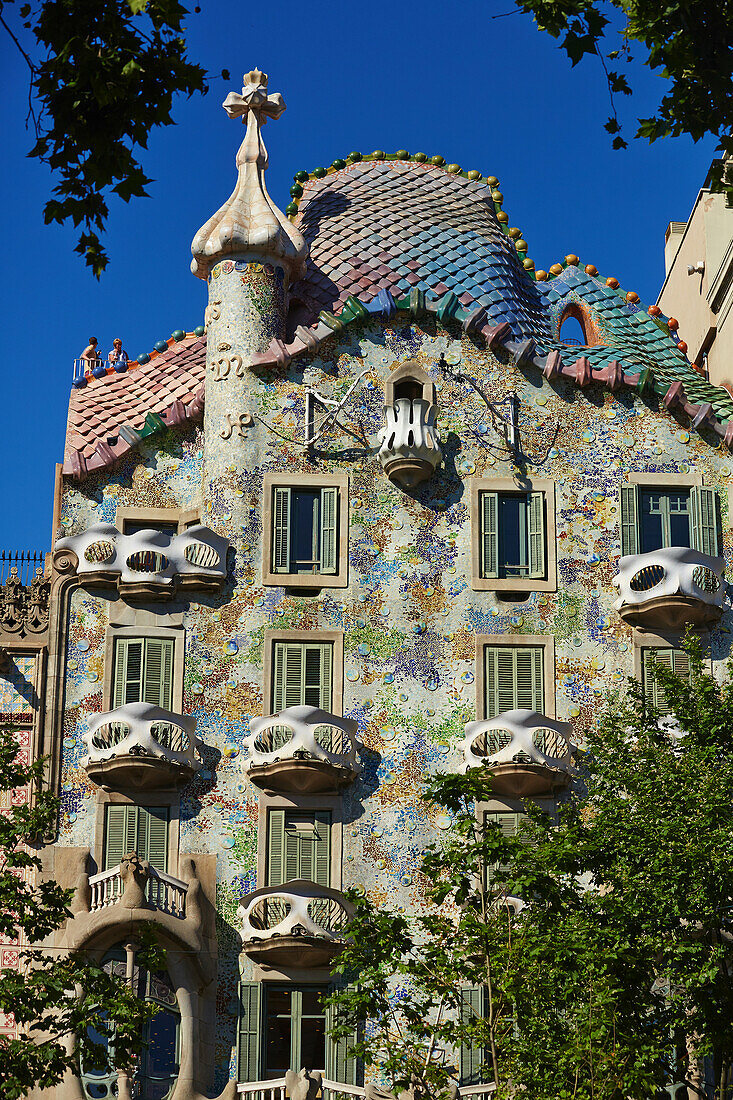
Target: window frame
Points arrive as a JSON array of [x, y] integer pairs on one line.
[[301, 803], [182, 518], [305, 481], [671, 481], [168, 799], [508, 485], [546, 642], [175, 634], [307, 637], [644, 640]]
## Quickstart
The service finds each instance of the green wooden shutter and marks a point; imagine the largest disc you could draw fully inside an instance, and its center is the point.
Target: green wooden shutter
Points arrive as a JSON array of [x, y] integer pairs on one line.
[[276, 847], [676, 660], [115, 838], [128, 685], [302, 673], [322, 850], [489, 534], [536, 528], [307, 847], [529, 677], [298, 858], [158, 666], [325, 683], [329, 512], [152, 836], [278, 677], [473, 1057], [704, 520], [313, 657], [339, 1065], [491, 689], [281, 530], [248, 1032], [281, 540], [510, 824], [629, 519], [294, 675], [514, 679]]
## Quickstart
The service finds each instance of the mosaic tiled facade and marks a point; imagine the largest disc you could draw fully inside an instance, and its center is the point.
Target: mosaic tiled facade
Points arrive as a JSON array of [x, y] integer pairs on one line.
[[396, 587]]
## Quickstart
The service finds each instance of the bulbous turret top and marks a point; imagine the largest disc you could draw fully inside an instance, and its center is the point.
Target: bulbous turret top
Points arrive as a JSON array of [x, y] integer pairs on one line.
[[249, 221]]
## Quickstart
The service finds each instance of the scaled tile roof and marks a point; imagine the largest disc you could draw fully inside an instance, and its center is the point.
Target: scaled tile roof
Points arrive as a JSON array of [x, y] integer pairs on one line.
[[408, 226], [109, 416], [398, 233]]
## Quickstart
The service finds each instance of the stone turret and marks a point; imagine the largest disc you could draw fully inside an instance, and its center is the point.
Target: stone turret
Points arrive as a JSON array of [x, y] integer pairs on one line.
[[249, 253]]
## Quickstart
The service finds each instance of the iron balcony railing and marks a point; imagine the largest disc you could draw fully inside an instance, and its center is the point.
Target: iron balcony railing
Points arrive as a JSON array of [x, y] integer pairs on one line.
[[26, 562]]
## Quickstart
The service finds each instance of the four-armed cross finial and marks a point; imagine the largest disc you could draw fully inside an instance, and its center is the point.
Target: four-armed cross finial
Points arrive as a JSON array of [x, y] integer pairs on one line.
[[254, 98]]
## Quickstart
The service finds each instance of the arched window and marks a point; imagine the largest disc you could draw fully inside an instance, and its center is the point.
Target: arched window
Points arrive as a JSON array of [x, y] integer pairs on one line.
[[572, 332], [157, 1069]]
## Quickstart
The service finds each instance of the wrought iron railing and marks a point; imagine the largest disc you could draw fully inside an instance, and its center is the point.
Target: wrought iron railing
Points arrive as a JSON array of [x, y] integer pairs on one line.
[[26, 562]]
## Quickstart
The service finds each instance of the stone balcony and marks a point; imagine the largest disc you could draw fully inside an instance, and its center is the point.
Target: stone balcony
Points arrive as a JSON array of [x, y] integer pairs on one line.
[[109, 905], [409, 447], [667, 589], [527, 752], [141, 746], [135, 884], [302, 749], [149, 564], [297, 924]]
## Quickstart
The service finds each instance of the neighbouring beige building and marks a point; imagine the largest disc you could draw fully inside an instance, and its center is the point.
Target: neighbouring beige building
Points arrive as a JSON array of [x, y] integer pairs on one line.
[[698, 283]]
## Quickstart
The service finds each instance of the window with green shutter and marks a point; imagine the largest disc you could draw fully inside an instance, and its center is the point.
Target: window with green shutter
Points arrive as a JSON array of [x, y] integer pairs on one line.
[[654, 518], [473, 1057], [340, 1065], [143, 671], [513, 678], [302, 674], [305, 530], [141, 829], [281, 1026], [675, 659], [249, 1032], [513, 535], [511, 824], [298, 846]]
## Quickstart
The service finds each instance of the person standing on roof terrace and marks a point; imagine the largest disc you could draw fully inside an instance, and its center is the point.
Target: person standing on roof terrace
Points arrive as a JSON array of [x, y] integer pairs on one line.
[[91, 351], [118, 354]]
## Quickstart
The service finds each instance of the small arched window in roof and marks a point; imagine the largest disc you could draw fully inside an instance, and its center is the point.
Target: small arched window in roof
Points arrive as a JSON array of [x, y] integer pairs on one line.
[[572, 332], [576, 327]]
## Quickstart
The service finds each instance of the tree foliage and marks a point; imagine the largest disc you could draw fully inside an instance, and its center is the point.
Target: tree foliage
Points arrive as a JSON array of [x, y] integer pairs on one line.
[[621, 947], [64, 1005], [689, 43], [103, 74]]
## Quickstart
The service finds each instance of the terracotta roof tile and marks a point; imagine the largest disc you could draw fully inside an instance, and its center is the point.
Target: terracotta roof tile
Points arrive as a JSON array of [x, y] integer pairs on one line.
[[102, 405]]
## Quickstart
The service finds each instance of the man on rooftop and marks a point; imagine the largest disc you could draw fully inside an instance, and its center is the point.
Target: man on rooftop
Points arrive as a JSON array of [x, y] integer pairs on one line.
[[91, 351]]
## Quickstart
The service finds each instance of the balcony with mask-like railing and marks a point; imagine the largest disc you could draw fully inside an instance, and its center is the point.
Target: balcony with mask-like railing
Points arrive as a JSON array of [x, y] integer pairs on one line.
[[140, 746], [302, 749], [528, 753], [149, 564], [667, 589], [297, 924], [409, 447]]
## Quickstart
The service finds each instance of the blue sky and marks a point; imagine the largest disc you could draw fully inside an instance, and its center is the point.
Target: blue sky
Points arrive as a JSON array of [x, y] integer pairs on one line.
[[487, 93]]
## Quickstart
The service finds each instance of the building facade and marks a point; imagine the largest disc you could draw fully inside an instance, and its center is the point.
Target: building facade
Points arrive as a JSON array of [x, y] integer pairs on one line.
[[374, 519], [698, 283]]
